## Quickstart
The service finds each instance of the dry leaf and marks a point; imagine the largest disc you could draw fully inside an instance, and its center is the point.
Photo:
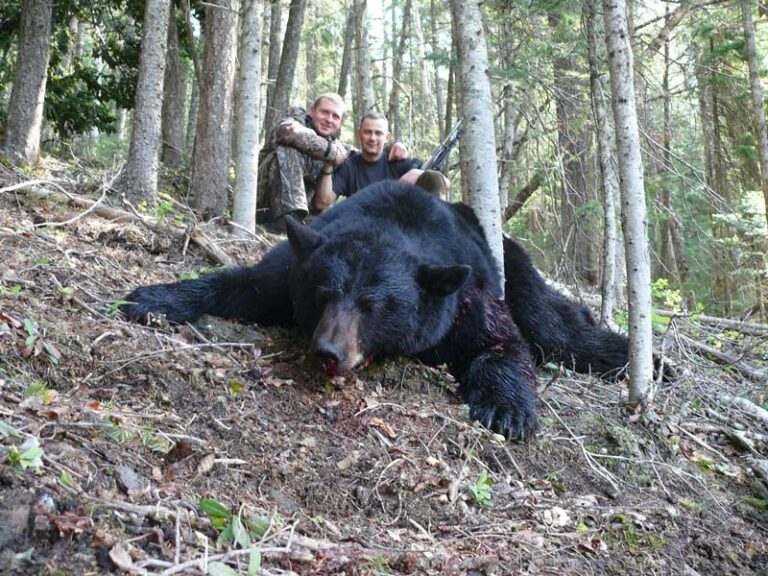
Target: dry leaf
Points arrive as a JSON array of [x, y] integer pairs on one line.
[[379, 423], [206, 464]]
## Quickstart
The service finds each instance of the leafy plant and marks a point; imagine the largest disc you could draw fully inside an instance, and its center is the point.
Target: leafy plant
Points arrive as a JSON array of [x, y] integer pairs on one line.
[[481, 490], [114, 308], [234, 528], [39, 388], [28, 455], [12, 291], [35, 344]]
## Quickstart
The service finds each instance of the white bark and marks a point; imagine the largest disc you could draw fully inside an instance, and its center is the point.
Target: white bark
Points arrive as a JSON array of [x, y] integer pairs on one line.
[[757, 96], [634, 217], [139, 177], [248, 117], [480, 138], [609, 177], [25, 108], [364, 101]]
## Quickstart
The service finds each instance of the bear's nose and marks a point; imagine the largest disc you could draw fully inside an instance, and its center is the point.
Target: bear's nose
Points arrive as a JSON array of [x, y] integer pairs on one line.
[[329, 356]]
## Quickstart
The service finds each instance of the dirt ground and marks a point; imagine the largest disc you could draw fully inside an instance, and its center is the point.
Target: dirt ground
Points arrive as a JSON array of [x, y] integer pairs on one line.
[[217, 448]]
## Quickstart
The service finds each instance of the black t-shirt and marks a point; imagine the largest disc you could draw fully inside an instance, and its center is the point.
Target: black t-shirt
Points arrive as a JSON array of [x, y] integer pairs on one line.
[[356, 173]]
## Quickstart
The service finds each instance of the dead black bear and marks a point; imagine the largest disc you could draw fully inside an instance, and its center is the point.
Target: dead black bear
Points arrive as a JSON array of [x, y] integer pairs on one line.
[[395, 271]]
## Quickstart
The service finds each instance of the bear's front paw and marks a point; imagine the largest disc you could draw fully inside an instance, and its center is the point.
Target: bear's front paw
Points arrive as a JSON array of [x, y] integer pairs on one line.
[[512, 422]]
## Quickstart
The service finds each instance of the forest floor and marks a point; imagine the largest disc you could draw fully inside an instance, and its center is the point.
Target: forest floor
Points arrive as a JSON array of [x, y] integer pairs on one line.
[[215, 447]]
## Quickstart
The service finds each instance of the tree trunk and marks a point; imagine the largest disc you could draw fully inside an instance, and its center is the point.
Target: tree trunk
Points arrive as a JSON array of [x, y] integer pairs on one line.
[[248, 116], [346, 58], [477, 107], [510, 115], [634, 217], [757, 96], [288, 59], [364, 86], [210, 161], [275, 46], [311, 63], [671, 246], [449, 93], [578, 232], [194, 109], [174, 100], [610, 180], [436, 68], [25, 108], [423, 101], [138, 180], [397, 70]]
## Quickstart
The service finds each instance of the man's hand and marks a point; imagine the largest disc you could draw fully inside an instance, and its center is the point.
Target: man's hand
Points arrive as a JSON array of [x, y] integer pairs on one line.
[[339, 153], [398, 151], [411, 176]]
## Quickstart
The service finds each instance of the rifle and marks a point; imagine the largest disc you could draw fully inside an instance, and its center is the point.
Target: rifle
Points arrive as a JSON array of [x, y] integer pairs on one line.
[[441, 153]]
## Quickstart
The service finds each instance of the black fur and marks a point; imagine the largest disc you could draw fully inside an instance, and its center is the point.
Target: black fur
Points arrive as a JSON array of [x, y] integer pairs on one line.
[[393, 270]]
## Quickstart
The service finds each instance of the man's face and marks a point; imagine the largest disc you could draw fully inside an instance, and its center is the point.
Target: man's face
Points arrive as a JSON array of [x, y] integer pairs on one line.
[[326, 117], [373, 134]]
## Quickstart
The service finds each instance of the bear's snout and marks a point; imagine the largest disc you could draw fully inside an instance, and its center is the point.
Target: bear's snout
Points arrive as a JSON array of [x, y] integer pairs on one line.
[[336, 342]]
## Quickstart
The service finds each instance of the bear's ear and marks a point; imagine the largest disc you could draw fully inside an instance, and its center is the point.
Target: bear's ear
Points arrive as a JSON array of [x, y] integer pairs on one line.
[[442, 280], [304, 240]]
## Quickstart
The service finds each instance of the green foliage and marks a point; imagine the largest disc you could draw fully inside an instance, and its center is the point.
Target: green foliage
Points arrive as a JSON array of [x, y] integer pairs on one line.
[[758, 503], [670, 298], [12, 291], [481, 490], [113, 309], [29, 455], [35, 344], [234, 528]]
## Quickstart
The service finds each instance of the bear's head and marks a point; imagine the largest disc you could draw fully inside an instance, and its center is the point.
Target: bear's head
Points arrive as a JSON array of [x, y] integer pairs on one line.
[[364, 293]]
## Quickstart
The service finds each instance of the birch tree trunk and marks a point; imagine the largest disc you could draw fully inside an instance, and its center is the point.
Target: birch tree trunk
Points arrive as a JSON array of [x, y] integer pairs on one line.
[[634, 216], [174, 99], [479, 136], [397, 70], [138, 180], [610, 180], [364, 101], [757, 96], [248, 116], [210, 161], [423, 102], [436, 69], [288, 59], [25, 108]]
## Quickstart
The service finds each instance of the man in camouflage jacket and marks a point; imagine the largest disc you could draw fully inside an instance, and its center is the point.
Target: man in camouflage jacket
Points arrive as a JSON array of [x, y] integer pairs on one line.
[[293, 158]]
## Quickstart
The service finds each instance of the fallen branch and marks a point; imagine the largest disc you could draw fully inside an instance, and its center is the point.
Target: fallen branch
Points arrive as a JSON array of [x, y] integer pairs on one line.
[[210, 248], [746, 406], [727, 360], [750, 328]]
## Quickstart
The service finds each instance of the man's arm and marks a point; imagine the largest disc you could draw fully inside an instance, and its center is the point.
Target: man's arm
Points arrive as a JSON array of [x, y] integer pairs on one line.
[[290, 132], [324, 194]]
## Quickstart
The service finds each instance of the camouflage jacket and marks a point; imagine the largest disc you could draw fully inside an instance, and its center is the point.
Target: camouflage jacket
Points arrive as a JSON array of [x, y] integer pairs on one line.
[[296, 130]]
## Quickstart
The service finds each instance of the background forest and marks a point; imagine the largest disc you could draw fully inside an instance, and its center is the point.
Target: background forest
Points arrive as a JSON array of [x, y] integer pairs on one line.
[[129, 132], [707, 223]]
